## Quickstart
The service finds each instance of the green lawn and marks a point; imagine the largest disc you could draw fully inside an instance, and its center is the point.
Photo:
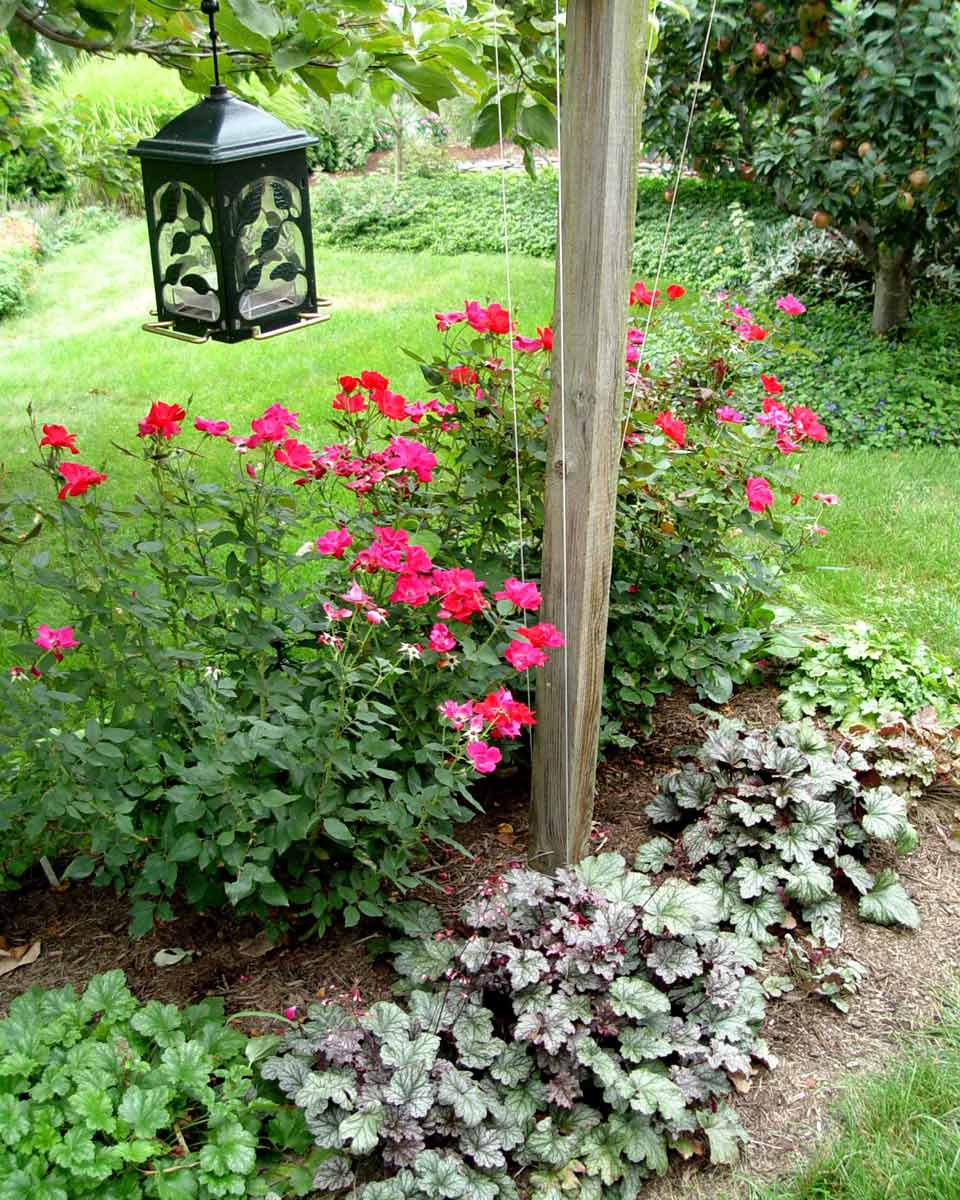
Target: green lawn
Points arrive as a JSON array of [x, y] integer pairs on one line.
[[899, 1132], [893, 548], [80, 357]]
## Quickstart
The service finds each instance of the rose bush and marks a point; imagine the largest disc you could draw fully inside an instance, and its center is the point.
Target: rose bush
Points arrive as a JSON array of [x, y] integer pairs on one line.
[[273, 686], [236, 713]]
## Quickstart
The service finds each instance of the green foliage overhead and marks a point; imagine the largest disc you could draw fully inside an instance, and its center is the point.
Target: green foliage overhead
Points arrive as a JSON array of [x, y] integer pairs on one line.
[[432, 51]]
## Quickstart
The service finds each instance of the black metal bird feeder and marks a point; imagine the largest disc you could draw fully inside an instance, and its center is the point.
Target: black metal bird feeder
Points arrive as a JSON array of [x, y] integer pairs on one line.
[[228, 213]]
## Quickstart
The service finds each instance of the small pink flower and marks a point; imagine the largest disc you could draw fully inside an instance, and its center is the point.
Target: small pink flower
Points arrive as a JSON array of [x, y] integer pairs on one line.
[[295, 455], [543, 636], [826, 498], [291, 1012], [457, 714], [522, 656], [739, 311], [791, 305], [759, 495], [334, 613], [56, 640], [334, 542], [818, 530], [376, 616], [483, 757], [355, 594], [521, 595], [441, 639], [446, 320], [731, 415], [213, 428]]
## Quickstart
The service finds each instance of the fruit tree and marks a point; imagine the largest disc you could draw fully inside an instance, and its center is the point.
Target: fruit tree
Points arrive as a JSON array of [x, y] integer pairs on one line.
[[849, 112]]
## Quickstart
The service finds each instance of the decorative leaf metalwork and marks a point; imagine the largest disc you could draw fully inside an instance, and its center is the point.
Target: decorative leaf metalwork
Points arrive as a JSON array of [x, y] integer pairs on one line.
[[285, 271], [271, 235], [195, 206], [197, 283], [249, 207], [172, 274], [181, 242], [170, 203], [281, 196], [252, 278]]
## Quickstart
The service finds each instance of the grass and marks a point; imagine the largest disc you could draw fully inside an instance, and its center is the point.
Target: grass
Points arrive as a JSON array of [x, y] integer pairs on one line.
[[894, 541], [899, 1132], [79, 357]]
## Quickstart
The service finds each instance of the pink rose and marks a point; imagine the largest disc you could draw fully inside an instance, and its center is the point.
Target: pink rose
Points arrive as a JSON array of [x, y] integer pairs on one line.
[[759, 495]]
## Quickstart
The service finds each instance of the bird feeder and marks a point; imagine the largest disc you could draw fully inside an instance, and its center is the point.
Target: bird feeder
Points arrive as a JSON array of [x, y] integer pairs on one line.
[[228, 213]]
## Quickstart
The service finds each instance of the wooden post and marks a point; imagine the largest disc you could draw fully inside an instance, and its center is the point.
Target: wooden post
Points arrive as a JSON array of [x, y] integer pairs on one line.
[[598, 204]]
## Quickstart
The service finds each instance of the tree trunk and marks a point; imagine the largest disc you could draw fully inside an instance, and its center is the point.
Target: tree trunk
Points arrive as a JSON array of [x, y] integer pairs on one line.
[[892, 282]]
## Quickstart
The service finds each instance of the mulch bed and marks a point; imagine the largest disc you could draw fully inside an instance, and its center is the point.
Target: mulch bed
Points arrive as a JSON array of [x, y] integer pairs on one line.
[[83, 931]]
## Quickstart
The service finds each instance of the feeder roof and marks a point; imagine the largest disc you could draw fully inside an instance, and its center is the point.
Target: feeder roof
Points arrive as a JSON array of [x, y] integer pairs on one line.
[[221, 128]]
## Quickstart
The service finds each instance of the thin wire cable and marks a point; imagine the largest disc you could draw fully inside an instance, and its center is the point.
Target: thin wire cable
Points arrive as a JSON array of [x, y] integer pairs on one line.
[[513, 363], [673, 203], [563, 423]]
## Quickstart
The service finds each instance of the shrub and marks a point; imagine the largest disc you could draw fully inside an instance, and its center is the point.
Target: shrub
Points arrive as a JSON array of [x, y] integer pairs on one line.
[[462, 214], [692, 562], [93, 112], [18, 266], [779, 820], [860, 673], [291, 756], [571, 1027], [101, 1096]]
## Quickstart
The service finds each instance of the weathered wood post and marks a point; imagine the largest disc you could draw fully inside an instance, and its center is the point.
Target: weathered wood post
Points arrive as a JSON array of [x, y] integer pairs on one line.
[[597, 213]]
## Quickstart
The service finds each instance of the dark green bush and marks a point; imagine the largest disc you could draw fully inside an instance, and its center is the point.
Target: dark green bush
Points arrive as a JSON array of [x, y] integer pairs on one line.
[[17, 267], [462, 215]]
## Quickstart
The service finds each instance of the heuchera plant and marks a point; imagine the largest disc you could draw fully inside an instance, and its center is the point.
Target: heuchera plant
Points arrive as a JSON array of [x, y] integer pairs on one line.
[[778, 818], [859, 673], [569, 1030]]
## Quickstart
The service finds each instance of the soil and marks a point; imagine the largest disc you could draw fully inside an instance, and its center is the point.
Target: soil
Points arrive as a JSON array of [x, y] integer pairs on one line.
[[83, 931]]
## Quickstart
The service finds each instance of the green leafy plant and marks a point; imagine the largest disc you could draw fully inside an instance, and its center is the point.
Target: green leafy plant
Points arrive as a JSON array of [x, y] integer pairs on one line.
[[819, 970], [18, 266], [569, 1028], [909, 756], [101, 1096], [772, 821], [861, 672]]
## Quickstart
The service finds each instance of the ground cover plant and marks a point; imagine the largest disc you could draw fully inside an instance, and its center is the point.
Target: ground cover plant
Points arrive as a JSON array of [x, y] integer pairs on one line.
[[859, 673], [462, 214], [783, 817], [101, 1096]]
